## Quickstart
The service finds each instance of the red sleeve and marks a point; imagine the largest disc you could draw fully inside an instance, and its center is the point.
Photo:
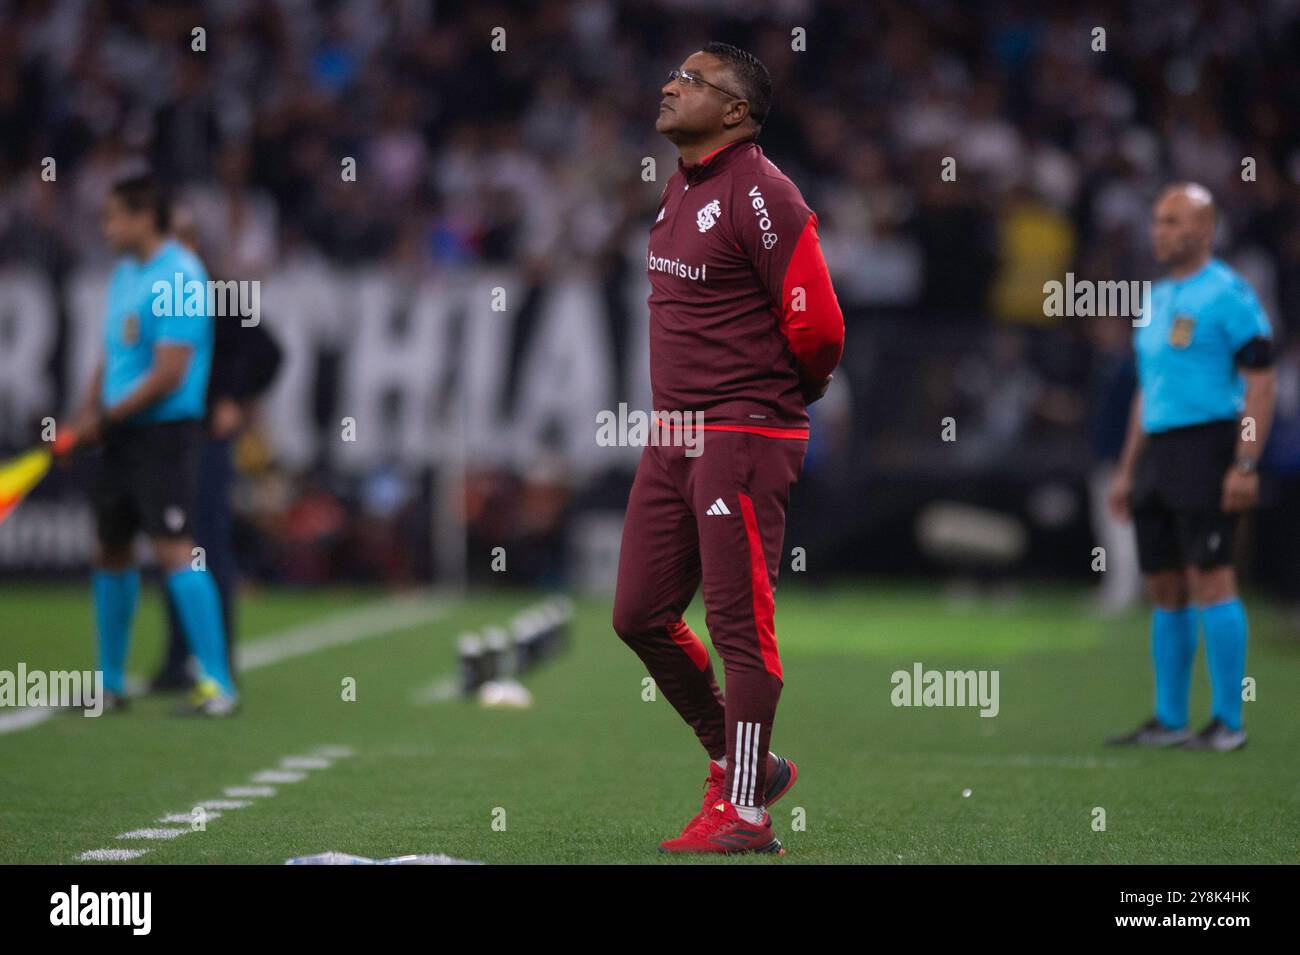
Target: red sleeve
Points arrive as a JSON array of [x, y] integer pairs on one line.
[[778, 232]]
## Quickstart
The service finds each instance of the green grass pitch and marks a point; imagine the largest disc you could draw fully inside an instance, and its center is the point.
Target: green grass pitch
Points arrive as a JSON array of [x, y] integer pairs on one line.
[[592, 773]]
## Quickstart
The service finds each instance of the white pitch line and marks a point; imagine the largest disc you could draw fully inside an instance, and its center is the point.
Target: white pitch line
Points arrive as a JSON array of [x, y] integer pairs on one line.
[[160, 833], [335, 752], [251, 792], [377, 619], [351, 626], [1028, 761], [111, 855], [27, 717], [306, 762], [278, 776], [188, 817], [171, 832]]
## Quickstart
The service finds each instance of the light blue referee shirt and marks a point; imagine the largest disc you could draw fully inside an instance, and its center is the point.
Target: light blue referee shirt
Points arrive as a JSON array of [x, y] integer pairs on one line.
[[144, 310], [1186, 352]]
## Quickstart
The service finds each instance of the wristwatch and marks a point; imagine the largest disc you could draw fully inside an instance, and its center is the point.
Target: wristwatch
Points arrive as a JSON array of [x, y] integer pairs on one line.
[[1246, 465]]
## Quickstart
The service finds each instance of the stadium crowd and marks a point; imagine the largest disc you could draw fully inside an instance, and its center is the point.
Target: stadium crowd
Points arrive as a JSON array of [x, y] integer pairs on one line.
[[534, 152], [1063, 125]]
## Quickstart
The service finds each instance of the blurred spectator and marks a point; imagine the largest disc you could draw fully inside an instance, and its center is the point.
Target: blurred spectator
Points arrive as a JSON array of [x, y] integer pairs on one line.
[[1114, 380], [534, 158]]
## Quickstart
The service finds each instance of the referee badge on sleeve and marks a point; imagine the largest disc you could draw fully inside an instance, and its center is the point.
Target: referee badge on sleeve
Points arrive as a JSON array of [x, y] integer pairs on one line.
[[1180, 336]]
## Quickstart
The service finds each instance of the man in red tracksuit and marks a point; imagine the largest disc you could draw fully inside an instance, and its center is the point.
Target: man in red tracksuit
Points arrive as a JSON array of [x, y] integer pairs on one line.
[[745, 331]]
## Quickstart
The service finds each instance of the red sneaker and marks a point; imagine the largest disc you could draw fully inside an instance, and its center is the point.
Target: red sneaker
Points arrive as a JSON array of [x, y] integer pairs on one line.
[[722, 830], [781, 774]]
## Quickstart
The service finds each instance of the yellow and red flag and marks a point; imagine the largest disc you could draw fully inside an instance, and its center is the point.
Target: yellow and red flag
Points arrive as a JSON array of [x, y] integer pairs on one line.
[[19, 475]]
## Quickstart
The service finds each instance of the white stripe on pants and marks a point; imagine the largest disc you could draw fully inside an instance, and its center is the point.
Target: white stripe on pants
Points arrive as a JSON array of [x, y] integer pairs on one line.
[[745, 773]]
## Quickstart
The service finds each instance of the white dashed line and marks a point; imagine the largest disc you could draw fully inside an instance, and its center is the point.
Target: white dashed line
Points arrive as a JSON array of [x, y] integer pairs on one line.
[[278, 776], [321, 757], [306, 762], [111, 855], [335, 752], [167, 833], [249, 792], [189, 817]]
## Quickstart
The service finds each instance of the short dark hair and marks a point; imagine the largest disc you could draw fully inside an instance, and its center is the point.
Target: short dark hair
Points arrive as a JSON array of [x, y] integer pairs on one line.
[[755, 83], [139, 192]]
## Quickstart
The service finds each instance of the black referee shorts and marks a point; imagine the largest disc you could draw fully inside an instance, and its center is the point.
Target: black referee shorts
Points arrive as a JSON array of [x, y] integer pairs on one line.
[[1177, 492], [147, 481]]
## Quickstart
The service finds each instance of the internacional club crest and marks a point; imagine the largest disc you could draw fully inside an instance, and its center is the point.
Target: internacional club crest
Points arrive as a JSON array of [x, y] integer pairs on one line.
[[708, 215]]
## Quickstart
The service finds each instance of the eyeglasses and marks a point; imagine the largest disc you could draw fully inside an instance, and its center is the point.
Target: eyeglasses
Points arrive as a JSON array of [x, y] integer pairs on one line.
[[687, 78]]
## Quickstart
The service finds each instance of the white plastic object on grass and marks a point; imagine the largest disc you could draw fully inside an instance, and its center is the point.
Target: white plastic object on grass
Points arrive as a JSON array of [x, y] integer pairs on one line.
[[505, 693]]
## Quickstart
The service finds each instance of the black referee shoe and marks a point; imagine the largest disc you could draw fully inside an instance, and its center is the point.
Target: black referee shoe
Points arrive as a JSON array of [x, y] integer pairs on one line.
[[1217, 737], [1152, 733], [168, 681], [109, 702]]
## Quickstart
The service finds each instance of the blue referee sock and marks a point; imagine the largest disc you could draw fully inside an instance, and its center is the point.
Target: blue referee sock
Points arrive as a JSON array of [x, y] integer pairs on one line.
[[1225, 649], [115, 598], [1173, 648], [199, 606]]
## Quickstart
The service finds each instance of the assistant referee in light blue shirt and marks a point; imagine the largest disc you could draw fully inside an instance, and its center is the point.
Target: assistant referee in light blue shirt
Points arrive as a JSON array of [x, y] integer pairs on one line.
[[1189, 468], [144, 407]]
